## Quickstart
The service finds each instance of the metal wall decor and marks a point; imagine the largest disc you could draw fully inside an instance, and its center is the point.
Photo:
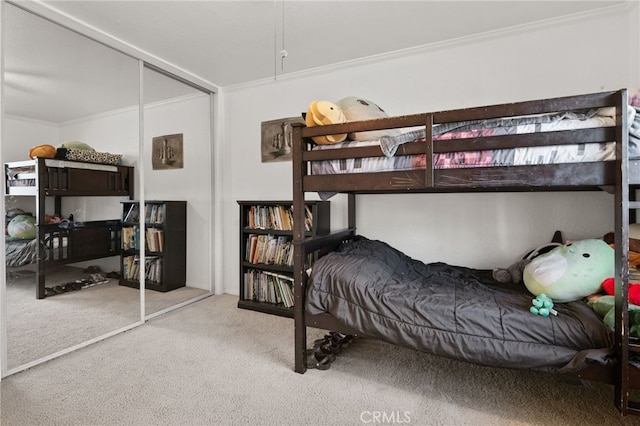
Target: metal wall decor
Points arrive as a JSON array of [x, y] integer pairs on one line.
[[276, 139], [167, 152]]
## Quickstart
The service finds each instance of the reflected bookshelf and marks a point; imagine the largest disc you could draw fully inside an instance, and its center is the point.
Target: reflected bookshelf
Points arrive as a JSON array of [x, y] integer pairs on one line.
[[165, 241]]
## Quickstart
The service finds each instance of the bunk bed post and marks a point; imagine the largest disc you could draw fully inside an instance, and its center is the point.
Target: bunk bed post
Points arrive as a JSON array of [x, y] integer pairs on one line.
[[351, 209], [128, 182], [40, 213], [300, 327], [428, 132], [622, 252]]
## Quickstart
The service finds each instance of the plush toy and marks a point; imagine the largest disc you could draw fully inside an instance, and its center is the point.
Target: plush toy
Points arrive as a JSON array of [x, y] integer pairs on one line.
[[42, 151], [634, 290], [542, 305], [322, 113], [604, 306], [22, 227], [513, 273], [76, 145], [571, 271], [358, 109]]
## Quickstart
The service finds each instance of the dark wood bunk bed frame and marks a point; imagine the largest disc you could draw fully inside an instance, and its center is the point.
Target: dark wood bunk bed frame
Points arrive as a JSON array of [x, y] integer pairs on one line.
[[71, 242], [622, 176]]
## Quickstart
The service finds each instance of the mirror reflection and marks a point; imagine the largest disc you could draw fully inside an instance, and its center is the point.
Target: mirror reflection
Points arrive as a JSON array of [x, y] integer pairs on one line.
[[72, 105], [177, 190]]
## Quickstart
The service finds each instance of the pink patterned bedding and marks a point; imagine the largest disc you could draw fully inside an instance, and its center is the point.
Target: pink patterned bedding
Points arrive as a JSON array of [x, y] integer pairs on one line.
[[604, 117]]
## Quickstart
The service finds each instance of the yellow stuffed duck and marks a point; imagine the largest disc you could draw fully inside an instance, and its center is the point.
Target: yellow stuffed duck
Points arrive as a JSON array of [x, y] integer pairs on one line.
[[322, 113], [352, 108]]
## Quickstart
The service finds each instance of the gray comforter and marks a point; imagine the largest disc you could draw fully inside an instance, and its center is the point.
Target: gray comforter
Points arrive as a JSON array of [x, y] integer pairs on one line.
[[452, 311], [20, 252]]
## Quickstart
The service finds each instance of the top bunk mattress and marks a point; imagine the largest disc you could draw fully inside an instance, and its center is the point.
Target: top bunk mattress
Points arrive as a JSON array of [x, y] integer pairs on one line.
[[555, 154]]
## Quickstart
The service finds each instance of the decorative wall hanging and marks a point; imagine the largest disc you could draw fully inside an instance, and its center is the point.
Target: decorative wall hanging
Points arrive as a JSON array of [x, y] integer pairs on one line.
[[277, 139], [167, 152]]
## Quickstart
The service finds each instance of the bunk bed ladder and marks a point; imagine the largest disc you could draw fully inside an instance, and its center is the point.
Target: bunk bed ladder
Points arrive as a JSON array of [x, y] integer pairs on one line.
[[300, 327], [623, 205], [626, 405]]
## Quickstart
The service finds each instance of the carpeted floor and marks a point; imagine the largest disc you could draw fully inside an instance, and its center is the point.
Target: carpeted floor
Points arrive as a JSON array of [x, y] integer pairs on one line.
[[212, 364], [37, 328]]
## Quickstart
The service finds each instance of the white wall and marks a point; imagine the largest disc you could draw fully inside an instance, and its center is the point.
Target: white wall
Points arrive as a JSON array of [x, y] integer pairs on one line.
[[20, 135], [115, 132], [24, 133], [190, 116], [589, 54]]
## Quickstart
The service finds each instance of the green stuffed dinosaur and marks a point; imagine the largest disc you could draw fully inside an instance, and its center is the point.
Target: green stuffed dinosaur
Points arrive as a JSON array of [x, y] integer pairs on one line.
[[605, 307]]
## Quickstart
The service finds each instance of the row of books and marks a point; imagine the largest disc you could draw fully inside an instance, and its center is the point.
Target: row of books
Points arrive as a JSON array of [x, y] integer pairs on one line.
[[154, 215], [129, 237], [154, 239], [278, 218], [269, 287], [269, 249], [152, 268]]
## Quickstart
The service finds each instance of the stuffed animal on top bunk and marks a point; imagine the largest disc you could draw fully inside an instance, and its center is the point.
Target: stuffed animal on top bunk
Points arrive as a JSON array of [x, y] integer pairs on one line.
[[50, 151], [42, 151], [75, 151], [352, 108]]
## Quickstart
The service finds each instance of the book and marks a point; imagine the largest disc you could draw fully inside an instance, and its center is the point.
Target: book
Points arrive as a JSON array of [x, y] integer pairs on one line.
[[133, 213]]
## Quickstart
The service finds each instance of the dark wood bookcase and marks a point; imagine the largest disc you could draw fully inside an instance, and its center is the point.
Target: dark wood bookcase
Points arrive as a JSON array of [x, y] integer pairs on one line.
[[266, 252], [165, 239]]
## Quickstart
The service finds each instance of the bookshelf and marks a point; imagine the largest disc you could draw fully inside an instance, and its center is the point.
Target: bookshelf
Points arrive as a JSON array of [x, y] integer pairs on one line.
[[164, 236], [266, 252]]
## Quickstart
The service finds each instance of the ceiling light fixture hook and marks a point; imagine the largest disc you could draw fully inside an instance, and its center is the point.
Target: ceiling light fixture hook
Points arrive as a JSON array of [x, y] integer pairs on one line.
[[283, 52]]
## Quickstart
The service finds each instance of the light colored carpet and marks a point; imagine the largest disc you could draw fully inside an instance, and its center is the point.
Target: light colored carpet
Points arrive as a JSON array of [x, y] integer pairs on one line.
[[38, 328], [213, 364]]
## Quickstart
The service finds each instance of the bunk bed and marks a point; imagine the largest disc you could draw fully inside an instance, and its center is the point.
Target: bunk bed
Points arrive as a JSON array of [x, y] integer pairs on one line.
[[353, 303], [66, 241]]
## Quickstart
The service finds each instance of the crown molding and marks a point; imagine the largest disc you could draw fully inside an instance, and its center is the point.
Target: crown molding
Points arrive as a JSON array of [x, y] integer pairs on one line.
[[625, 7]]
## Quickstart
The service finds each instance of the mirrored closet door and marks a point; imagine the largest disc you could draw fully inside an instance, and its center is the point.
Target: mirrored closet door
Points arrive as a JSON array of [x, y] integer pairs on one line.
[[177, 191], [118, 196], [63, 88]]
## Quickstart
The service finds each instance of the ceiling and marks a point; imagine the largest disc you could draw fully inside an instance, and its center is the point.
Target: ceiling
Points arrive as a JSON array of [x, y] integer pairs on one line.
[[229, 43]]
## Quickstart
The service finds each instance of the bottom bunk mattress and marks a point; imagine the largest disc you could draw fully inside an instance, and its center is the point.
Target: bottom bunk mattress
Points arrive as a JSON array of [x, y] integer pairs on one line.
[[452, 311], [20, 252]]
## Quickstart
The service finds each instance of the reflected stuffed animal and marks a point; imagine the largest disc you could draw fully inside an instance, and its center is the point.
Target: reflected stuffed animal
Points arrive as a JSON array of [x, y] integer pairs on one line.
[[42, 151], [571, 271]]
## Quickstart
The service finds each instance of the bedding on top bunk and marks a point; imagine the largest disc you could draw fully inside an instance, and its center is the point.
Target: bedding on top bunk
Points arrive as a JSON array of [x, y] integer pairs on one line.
[[452, 311], [603, 117]]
